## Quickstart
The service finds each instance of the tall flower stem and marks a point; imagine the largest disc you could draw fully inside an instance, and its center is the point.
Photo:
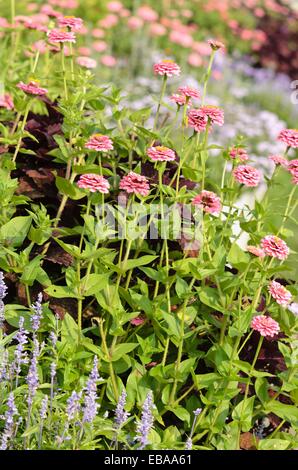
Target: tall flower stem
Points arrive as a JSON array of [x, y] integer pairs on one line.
[[162, 93], [108, 356], [181, 341], [287, 209], [64, 71], [208, 73], [166, 248], [27, 109]]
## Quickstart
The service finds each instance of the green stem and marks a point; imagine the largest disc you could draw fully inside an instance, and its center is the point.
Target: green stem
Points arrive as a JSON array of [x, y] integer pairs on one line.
[[27, 109], [163, 89], [64, 71], [107, 353], [207, 76]]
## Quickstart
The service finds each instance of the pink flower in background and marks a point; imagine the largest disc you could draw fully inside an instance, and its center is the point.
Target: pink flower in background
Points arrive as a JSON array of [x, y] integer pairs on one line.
[[56, 35], [100, 143], [86, 62], [75, 24], [181, 38], [157, 29], [147, 14], [279, 160], [280, 293], [214, 113], [179, 99], [247, 175], [108, 60], [114, 7], [289, 137], [275, 247], [49, 11], [197, 120], [161, 154], [98, 33], [266, 326], [189, 92], [238, 153], [6, 101], [201, 48], [94, 183], [32, 88], [215, 44], [208, 201], [134, 23], [167, 67], [85, 51], [99, 46], [295, 179], [254, 250], [108, 22], [134, 183], [195, 60]]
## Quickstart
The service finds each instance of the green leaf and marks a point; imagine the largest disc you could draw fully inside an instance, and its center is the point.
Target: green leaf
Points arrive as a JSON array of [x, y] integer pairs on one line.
[[67, 188], [30, 271], [237, 257], [243, 413], [209, 296], [15, 231], [134, 263], [180, 412], [60, 292], [273, 444], [69, 329], [121, 349], [287, 412], [96, 282]]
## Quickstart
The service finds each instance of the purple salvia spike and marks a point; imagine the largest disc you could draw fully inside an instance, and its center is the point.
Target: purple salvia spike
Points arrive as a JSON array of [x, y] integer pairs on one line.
[[146, 423]]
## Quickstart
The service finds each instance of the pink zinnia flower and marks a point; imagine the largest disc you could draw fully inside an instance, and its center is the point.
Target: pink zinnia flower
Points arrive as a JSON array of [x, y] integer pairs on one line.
[[108, 60], [100, 143], [208, 201], [280, 293], [254, 250], [114, 6], [189, 92], [134, 183], [161, 154], [147, 13], [137, 321], [266, 326], [157, 29], [86, 62], [289, 137], [214, 113], [293, 166], [167, 67], [75, 24], [179, 99], [275, 247], [197, 120], [32, 88], [99, 46], [6, 101], [195, 59], [215, 44], [134, 23], [238, 153], [98, 33], [279, 160], [247, 175], [56, 35], [94, 183]]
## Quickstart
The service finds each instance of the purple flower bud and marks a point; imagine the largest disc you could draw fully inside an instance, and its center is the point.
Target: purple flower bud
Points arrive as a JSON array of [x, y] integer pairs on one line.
[[120, 414], [197, 412], [44, 407], [73, 405], [9, 422], [20, 356], [145, 425], [188, 444], [37, 313], [32, 377], [90, 405], [3, 291], [53, 339]]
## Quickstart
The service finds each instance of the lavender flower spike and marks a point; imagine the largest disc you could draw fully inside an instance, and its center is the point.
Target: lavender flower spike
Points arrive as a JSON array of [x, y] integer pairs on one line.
[[9, 422], [44, 407], [188, 444], [37, 313], [73, 405], [3, 291], [90, 405], [146, 424], [120, 414], [32, 377]]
